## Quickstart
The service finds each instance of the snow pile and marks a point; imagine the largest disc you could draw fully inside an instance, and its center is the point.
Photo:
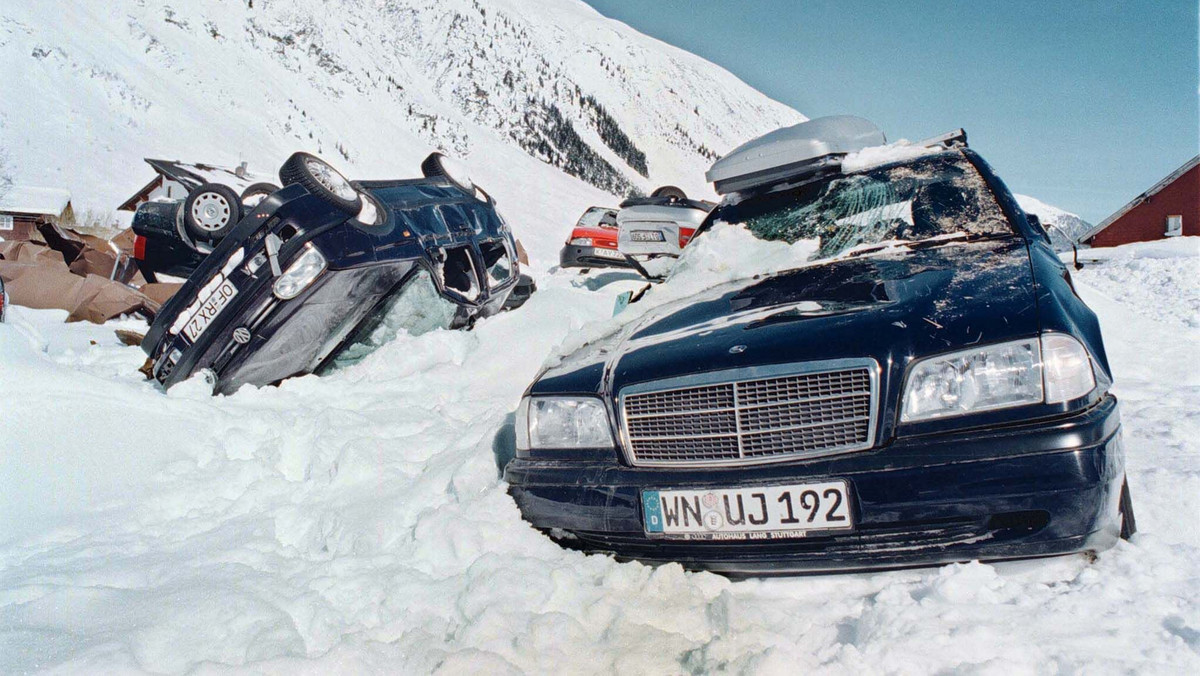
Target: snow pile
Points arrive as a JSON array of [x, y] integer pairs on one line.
[[356, 523], [1155, 278], [877, 156]]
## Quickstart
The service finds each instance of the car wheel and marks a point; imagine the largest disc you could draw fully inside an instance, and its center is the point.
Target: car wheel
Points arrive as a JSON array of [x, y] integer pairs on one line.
[[1128, 522], [256, 193], [438, 165], [210, 211], [669, 191], [321, 179]]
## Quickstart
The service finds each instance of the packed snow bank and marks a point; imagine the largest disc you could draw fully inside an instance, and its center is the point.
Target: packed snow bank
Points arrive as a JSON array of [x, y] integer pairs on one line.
[[357, 523], [1157, 279]]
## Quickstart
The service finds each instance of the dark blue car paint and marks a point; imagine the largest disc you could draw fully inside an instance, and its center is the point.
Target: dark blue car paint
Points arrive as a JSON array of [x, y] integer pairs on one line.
[[1018, 482], [365, 263]]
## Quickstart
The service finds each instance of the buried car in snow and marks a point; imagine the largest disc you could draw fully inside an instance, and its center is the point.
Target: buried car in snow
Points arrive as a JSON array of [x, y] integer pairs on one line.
[[921, 386], [325, 269], [593, 242], [652, 231]]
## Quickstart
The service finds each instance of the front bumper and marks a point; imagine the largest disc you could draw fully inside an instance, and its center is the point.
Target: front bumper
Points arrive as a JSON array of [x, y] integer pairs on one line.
[[1033, 490], [590, 257]]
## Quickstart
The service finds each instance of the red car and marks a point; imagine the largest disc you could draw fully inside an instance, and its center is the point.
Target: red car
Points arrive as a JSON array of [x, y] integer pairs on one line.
[[593, 242]]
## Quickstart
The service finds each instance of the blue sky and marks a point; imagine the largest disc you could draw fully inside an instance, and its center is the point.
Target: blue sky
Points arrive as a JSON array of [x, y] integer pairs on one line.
[[1081, 104]]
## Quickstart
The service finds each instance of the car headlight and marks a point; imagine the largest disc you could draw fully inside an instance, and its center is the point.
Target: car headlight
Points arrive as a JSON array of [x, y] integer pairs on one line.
[[1052, 369], [563, 422], [300, 274], [582, 241]]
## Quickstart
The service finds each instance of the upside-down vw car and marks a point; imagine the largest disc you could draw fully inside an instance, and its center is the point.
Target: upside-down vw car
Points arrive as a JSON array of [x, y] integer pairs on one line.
[[924, 387], [322, 271]]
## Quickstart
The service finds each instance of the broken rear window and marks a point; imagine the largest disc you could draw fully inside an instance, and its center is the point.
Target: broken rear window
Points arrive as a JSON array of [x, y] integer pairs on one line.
[[932, 197]]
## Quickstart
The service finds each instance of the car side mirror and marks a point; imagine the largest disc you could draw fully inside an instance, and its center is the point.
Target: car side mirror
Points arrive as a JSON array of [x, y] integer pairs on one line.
[[1036, 224]]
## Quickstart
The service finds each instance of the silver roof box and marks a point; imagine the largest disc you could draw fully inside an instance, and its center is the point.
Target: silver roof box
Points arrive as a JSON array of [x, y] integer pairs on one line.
[[804, 148]]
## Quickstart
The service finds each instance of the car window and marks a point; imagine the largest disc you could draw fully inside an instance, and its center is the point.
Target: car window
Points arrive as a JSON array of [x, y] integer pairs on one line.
[[496, 261], [414, 309], [932, 197], [597, 217]]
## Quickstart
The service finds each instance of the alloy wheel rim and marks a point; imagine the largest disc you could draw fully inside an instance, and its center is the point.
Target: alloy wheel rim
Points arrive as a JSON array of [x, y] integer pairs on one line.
[[328, 177], [211, 211]]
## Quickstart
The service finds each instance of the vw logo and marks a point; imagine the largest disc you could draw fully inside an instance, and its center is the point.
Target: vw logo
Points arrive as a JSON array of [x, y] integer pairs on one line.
[[241, 335], [737, 349]]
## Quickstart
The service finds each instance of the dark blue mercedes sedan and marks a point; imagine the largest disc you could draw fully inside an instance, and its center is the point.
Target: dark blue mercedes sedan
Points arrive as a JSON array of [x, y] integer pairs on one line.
[[923, 387]]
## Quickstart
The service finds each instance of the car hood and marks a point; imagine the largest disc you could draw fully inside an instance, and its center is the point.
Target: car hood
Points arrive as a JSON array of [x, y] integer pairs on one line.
[[891, 307]]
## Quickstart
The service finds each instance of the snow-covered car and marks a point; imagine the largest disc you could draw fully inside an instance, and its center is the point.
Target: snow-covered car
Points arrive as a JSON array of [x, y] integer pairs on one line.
[[593, 242], [904, 376], [658, 227], [172, 236], [326, 269]]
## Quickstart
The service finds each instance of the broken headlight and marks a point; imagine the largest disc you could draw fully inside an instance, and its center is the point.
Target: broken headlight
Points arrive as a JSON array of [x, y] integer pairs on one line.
[[300, 274], [563, 422], [1052, 369]]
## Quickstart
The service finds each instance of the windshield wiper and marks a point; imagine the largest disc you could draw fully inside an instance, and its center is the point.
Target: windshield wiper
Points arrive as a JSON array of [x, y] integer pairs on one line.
[[926, 243]]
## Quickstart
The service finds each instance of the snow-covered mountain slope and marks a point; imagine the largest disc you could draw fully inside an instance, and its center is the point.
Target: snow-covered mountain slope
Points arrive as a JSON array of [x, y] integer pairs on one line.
[[373, 86], [1063, 227]]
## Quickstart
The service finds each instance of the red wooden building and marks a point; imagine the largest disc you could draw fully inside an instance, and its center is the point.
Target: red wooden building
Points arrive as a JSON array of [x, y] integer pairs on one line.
[[1170, 209]]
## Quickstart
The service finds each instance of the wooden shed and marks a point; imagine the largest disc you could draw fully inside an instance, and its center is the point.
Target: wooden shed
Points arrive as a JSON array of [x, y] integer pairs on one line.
[[23, 208]]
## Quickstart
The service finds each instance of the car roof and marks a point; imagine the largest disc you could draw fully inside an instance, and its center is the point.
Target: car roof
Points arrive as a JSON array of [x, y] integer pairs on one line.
[[789, 151]]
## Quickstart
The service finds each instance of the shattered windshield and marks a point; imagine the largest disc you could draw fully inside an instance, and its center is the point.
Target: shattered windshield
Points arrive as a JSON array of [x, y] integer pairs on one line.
[[942, 196], [597, 217]]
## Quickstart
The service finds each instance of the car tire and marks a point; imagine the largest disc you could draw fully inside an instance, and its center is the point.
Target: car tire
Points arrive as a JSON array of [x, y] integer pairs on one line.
[[255, 190], [320, 178], [670, 192], [210, 212], [435, 166], [1128, 521]]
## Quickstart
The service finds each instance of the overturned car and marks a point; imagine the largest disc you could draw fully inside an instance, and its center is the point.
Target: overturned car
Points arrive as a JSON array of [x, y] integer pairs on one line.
[[652, 231], [921, 386], [593, 242], [320, 272]]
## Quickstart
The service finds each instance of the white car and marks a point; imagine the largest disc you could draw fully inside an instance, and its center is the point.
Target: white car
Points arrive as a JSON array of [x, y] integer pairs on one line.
[[658, 227]]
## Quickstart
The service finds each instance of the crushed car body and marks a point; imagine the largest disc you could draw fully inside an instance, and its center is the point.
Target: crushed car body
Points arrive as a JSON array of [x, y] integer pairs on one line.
[[921, 386], [325, 269]]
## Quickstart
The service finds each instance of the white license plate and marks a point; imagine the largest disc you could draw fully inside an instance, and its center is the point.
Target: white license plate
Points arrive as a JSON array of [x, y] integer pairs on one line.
[[759, 513], [209, 309], [647, 236], [608, 253]]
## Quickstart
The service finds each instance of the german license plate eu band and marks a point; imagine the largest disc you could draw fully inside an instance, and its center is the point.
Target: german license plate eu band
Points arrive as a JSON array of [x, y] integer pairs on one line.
[[209, 309], [755, 513]]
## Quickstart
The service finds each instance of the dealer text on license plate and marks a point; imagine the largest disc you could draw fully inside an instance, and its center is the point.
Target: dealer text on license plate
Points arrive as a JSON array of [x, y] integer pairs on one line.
[[762, 512], [209, 309]]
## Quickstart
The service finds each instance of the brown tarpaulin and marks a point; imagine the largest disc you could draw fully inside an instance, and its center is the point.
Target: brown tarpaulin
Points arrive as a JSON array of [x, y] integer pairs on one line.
[[38, 276]]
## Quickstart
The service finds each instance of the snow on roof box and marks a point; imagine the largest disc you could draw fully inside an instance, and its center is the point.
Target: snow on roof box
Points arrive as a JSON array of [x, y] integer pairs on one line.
[[802, 148]]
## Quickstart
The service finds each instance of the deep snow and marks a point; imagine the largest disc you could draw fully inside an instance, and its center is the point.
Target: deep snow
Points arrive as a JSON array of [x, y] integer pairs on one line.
[[356, 522]]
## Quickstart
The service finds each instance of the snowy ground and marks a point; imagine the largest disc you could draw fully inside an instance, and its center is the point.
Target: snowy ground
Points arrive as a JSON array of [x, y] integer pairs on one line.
[[357, 523]]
